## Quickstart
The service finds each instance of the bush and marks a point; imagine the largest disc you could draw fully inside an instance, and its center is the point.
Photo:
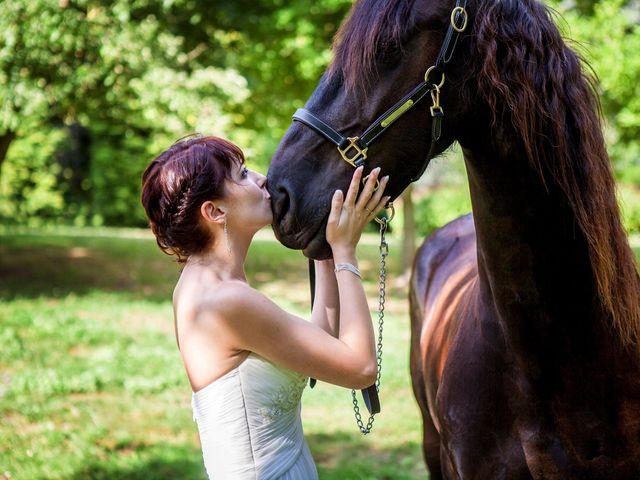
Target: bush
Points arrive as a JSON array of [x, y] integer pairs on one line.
[[629, 198], [29, 193], [441, 205]]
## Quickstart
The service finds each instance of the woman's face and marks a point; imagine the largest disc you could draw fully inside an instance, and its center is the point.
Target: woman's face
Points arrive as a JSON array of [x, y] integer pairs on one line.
[[248, 202]]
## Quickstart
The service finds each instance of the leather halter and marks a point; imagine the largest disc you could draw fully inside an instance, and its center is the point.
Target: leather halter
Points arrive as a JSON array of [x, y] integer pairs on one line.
[[354, 149], [360, 145]]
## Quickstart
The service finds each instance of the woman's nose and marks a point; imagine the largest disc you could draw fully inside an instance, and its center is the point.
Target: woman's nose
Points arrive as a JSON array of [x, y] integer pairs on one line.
[[262, 181]]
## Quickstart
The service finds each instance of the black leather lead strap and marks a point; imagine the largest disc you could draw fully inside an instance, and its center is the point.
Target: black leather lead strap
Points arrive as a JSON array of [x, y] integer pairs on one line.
[[371, 399], [312, 286]]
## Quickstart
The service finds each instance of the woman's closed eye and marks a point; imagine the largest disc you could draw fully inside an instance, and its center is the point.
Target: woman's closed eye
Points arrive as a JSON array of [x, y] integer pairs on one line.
[[244, 173]]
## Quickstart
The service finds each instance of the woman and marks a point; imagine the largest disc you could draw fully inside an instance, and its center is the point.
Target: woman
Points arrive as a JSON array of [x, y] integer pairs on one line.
[[248, 360]]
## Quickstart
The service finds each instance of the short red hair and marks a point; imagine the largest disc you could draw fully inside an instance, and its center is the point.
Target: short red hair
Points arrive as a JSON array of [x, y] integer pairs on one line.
[[178, 182]]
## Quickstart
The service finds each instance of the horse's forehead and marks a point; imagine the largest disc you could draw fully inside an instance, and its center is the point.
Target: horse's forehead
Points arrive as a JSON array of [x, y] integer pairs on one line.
[[367, 34]]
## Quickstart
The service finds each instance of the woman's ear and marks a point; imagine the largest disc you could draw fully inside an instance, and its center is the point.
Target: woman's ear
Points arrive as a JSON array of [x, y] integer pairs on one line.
[[213, 213]]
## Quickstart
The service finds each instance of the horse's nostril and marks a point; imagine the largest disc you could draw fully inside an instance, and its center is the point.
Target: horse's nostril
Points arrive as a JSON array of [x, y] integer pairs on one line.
[[281, 203]]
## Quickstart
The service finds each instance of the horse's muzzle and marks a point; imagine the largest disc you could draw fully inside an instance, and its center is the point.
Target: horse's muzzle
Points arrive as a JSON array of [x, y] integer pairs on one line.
[[293, 228]]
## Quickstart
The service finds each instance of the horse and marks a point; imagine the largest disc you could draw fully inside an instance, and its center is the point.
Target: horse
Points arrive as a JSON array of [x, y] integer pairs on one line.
[[525, 316]]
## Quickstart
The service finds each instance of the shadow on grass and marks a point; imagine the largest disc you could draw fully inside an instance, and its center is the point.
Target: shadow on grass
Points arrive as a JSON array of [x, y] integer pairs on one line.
[[153, 469], [57, 265], [348, 456], [337, 455]]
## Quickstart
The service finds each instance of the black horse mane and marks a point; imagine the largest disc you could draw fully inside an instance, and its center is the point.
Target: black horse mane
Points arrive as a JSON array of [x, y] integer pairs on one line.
[[374, 29], [522, 70], [544, 94]]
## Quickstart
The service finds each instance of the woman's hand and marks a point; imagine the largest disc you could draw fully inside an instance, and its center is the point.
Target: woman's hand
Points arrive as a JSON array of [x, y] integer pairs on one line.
[[348, 217], [339, 345]]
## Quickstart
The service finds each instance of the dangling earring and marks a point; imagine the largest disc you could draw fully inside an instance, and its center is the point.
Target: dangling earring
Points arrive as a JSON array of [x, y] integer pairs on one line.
[[226, 236]]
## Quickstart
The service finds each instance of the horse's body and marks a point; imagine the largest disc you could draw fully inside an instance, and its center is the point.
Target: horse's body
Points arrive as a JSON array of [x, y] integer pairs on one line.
[[445, 272], [526, 321], [563, 405]]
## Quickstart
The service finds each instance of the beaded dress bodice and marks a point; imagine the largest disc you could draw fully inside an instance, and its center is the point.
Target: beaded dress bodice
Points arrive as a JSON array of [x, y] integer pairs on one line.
[[249, 423]]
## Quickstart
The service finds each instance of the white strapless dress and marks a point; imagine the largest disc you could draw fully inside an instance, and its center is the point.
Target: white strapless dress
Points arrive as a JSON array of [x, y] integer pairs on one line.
[[249, 424]]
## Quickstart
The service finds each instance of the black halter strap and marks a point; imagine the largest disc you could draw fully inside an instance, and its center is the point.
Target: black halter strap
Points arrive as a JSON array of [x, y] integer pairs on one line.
[[354, 149], [361, 144], [310, 120]]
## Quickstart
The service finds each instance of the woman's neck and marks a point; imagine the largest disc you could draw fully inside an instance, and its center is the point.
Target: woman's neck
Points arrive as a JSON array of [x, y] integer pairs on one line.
[[224, 259]]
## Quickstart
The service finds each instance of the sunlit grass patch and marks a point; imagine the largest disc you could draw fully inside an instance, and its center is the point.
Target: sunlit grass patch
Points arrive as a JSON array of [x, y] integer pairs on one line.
[[91, 382]]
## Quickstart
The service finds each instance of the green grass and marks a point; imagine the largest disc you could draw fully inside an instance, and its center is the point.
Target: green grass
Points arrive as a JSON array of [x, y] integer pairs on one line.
[[92, 386]]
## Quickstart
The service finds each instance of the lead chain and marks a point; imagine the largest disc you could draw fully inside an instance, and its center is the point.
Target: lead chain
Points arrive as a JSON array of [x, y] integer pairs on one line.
[[384, 251]]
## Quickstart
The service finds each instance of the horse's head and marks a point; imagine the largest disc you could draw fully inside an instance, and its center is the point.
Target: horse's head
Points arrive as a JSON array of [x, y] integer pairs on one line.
[[382, 52]]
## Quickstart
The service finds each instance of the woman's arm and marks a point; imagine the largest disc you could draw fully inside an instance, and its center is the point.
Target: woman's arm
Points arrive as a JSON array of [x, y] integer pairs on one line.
[[326, 303], [243, 319]]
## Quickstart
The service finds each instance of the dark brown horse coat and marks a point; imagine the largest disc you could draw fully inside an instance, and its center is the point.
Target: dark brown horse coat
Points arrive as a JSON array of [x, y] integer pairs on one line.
[[526, 317], [506, 396]]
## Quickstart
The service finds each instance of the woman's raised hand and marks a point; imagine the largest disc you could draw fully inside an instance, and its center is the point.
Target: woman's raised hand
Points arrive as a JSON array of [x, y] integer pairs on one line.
[[349, 215]]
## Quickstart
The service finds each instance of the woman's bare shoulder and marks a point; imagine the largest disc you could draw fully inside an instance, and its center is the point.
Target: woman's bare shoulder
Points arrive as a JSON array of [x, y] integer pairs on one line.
[[224, 301], [234, 300]]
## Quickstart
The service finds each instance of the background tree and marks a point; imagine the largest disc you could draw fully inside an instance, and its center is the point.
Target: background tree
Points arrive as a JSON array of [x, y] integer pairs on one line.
[[91, 90], [137, 75]]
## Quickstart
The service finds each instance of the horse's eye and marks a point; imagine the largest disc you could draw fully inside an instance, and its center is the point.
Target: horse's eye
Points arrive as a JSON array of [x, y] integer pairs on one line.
[[389, 53]]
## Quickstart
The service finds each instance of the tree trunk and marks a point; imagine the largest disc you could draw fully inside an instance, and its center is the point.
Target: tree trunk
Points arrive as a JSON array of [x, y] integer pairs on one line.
[[5, 141], [408, 231]]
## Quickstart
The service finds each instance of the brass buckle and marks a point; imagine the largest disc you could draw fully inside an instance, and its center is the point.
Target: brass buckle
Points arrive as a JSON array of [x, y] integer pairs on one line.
[[354, 145]]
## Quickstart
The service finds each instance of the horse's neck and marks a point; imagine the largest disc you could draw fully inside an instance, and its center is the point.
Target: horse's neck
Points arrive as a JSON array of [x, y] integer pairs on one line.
[[533, 260]]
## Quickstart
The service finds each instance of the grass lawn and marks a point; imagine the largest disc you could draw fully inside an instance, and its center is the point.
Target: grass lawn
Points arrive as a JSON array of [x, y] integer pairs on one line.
[[92, 386]]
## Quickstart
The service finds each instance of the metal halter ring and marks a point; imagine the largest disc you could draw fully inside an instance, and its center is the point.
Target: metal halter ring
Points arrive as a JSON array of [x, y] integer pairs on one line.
[[429, 70], [462, 11], [375, 187], [392, 214]]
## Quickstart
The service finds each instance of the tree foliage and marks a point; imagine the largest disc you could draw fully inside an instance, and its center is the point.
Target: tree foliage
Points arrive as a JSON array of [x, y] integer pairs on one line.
[[91, 90], [138, 74]]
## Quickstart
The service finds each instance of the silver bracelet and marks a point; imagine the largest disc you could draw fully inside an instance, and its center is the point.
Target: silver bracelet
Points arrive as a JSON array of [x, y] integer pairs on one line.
[[348, 266]]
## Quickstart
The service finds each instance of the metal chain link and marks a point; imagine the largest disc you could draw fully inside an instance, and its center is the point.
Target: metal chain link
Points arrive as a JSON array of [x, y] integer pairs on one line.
[[384, 251]]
